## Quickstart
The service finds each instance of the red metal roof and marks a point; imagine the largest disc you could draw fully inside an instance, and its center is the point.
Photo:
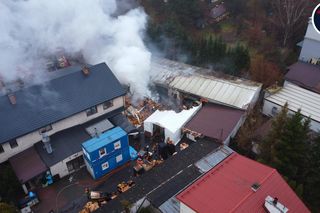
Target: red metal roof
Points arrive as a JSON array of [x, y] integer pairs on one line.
[[227, 188], [305, 75], [27, 165], [215, 121]]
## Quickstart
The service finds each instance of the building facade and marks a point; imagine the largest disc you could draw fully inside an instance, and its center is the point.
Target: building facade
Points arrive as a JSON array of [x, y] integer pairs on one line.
[[52, 119]]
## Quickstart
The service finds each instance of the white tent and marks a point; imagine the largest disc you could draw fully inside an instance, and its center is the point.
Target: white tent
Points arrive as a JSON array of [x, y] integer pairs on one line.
[[171, 121]]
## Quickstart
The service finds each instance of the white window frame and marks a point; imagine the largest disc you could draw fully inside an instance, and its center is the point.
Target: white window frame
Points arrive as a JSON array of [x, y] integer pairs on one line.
[[119, 158], [117, 145], [104, 154], [91, 111], [105, 165], [274, 111], [107, 104]]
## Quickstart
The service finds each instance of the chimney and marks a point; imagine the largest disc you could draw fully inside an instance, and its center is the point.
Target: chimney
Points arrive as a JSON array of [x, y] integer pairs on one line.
[[85, 70], [12, 98], [46, 141], [275, 201]]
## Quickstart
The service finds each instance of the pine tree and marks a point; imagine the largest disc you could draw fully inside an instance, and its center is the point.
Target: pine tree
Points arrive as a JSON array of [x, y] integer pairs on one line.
[[289, 155], [277, 129], [312, 180]]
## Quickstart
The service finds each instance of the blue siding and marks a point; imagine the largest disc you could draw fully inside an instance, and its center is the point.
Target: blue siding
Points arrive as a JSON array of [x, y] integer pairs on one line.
[[113, 164], [106, 141]]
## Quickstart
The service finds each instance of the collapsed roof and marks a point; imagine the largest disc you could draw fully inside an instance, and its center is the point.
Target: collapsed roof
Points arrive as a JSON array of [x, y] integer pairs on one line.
[[215, 87]]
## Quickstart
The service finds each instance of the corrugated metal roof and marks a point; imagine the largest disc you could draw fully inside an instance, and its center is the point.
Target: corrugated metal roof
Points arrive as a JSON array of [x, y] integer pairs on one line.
[[229, 92], [227, 188], [163, 70], [170, 206], [104, 139], [298, 98], [214, 158]]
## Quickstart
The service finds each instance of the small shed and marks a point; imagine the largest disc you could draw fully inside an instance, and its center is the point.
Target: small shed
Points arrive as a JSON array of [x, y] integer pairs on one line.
[[170, 122]]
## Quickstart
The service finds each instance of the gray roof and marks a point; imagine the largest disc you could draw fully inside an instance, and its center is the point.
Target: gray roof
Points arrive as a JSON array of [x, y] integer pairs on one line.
[[64, 144], [66, 94], [68, 142]]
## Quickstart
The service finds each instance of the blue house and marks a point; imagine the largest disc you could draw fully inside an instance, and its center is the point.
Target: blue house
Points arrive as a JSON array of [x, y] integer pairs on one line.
[[106, 152]]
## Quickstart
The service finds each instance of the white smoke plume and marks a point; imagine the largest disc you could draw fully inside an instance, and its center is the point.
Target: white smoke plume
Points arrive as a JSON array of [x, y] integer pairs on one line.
[[34, 29]]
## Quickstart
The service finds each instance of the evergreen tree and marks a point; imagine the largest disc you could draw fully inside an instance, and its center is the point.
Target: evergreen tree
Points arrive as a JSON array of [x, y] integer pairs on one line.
[[240, 56], [312, 180], [277, 129], [289, 155]]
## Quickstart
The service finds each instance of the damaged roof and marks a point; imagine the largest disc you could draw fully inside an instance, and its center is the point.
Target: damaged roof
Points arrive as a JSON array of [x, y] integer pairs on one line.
[[305, 75], [230, 93], [63, 96], [216, 87]]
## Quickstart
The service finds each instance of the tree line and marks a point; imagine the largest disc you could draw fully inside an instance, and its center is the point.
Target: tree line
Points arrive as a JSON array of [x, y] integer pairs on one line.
[[292, 148]]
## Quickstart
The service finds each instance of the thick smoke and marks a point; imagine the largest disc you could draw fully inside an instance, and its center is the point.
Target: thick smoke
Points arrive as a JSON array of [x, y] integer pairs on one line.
[[34, 29]]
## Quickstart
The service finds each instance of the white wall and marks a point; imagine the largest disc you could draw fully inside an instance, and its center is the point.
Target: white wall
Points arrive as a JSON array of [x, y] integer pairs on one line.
[[235, 129], [311, 44], [267, 110], [310, 49], [30, 139], [61, 167], [185, 209]]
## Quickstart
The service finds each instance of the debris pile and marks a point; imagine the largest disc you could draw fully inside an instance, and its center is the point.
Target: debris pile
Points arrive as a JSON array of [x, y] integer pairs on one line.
[[137, 114]]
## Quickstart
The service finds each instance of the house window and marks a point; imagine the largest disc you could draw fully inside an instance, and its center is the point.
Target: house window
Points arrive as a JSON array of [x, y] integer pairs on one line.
[[1, 148], [274, 111], [105, 166], [119, 158], [117, 145], [107, 104], [13, 144], [91, 110], [45, 129], [102, 152]]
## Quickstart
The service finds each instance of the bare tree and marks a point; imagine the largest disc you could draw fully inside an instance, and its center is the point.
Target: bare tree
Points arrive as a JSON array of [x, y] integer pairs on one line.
[[288, 15]]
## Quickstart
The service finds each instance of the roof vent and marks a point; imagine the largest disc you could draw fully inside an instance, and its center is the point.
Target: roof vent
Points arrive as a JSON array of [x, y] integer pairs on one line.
[[255, 187], [85, 71], [274, 206], [12, 98]]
